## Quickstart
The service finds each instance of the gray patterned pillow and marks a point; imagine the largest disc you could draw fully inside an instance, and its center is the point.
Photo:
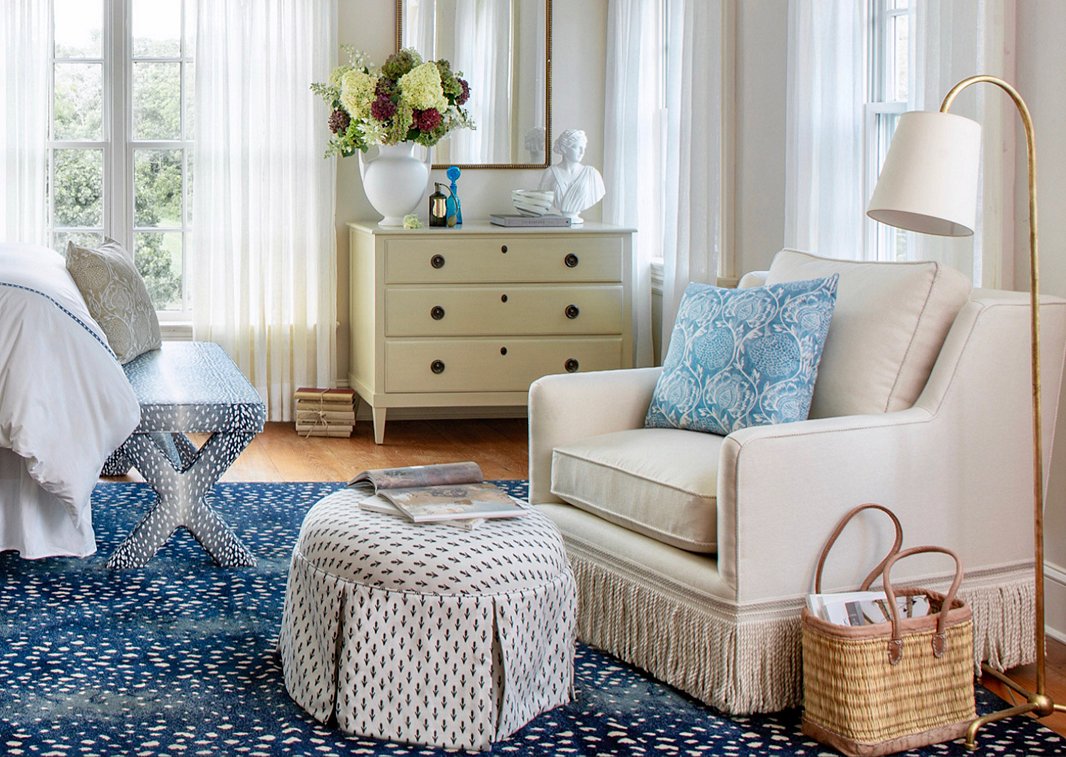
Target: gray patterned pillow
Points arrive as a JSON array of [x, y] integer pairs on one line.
[[117, 297]]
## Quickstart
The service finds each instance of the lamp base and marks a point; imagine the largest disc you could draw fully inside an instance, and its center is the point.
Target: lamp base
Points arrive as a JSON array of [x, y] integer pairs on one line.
[[1039, 705]]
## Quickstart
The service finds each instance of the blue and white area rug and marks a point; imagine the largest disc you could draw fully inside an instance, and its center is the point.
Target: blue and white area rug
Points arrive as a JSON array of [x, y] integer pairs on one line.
[[178, 658]]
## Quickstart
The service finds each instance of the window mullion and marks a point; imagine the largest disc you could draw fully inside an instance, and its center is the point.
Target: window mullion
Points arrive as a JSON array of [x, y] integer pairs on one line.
[[119, 192]]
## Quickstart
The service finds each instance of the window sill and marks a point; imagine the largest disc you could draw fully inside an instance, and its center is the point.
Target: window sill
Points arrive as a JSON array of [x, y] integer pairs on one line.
[[176, 331]]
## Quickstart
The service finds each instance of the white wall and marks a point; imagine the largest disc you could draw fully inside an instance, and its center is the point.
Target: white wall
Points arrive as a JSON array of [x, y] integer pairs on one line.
[[762, 36], [579, 57], [1040, 62]]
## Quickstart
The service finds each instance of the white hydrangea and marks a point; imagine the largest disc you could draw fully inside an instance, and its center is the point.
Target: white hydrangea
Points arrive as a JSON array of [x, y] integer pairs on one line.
[[357, 93], [421, 89]]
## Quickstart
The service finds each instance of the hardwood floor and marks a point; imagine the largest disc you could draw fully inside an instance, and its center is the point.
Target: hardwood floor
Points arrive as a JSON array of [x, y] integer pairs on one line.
[[500, 447]]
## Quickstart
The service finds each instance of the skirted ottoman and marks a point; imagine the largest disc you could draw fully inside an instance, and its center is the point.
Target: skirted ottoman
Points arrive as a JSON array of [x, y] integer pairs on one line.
[[427, 634]]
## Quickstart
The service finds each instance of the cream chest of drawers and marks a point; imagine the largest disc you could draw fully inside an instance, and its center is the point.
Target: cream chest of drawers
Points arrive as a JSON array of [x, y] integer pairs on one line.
[[470, 317]]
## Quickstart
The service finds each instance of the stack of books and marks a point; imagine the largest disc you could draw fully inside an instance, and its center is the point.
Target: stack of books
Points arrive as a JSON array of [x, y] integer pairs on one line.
[[325, 412]]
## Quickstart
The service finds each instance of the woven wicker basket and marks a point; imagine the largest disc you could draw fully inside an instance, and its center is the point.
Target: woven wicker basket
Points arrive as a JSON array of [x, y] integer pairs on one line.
[[888, 687]]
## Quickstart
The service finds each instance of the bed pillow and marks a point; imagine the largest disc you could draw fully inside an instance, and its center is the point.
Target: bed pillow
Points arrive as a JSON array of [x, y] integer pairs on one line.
[[117, 297], [743, 357]]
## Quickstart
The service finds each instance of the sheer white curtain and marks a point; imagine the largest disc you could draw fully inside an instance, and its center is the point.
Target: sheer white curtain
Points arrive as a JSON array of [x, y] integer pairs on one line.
[[483, 53], [693, 176], [420, 26], [954, 40], [263, 260], [662, 146], [24, 31], [824, 196]]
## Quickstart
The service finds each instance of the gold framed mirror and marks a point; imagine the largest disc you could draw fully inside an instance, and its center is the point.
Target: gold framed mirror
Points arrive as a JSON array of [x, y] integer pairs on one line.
[[508, 67]]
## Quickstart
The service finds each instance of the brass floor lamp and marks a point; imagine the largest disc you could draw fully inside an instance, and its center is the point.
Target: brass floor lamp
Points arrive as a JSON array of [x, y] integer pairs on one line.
[[929, 184]]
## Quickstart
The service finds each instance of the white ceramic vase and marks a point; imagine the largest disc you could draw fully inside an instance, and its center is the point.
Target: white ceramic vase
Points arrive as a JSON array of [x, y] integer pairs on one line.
[[395, 180]]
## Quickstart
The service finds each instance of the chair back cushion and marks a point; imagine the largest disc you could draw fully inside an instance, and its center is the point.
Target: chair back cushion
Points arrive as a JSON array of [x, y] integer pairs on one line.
[[659, 482], [888, 326]]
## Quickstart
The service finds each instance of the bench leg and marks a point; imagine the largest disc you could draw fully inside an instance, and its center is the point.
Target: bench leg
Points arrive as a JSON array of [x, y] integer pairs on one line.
[[182, 486], [116, 465]]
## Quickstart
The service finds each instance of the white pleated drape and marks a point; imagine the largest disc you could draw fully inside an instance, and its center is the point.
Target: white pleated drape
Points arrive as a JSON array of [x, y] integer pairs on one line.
[[24, 71], [952, 41], [663, 144], [263, 256], [824, 202]]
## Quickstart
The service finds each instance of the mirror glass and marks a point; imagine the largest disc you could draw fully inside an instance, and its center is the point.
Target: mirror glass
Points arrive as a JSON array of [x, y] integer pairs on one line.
[[503, 48]]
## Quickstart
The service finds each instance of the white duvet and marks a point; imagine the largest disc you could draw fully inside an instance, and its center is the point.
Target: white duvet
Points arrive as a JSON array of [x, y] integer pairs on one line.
[[65, 405]]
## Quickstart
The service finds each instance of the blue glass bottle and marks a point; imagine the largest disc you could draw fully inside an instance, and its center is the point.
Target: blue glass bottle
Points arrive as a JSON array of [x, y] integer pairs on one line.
[[453, 175]]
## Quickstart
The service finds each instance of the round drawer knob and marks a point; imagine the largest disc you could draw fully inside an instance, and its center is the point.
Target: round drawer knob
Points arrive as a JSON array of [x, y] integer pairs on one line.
[[503, 298], [571, 260], [437, 366], [437, 261], [572, 311], [571, 365], [503, 248], [436, 312], [503, 350]]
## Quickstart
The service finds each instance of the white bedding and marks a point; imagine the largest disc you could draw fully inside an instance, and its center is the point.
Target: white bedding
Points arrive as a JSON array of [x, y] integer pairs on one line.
[[65, 405]]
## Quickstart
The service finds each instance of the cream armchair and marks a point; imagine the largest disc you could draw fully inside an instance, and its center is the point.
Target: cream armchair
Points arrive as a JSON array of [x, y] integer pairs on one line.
[[693, 552]]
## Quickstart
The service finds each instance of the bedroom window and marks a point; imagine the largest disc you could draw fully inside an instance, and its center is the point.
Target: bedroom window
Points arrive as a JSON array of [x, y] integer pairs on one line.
[[888, 71], [120, 150]]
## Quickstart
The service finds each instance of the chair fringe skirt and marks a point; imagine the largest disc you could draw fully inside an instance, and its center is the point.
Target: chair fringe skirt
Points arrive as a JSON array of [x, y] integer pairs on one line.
[[743, 666]]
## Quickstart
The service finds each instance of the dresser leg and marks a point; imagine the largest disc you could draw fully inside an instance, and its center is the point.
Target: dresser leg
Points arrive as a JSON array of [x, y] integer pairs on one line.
[[379, 424]]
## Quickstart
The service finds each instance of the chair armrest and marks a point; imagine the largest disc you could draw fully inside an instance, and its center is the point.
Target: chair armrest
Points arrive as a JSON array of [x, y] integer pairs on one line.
[[782, 488], [567, 407]]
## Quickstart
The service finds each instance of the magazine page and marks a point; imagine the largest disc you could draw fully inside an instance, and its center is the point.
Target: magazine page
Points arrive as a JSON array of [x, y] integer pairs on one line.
[[860, 608], [415, 476], [460, 501], [378, 504]]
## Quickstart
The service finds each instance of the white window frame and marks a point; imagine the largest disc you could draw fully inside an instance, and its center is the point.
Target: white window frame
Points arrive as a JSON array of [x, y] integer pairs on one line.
[[879, 119], [119, 146]]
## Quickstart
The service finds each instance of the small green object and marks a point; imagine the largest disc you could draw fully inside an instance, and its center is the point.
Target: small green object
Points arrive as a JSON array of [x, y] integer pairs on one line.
[[410, 221]]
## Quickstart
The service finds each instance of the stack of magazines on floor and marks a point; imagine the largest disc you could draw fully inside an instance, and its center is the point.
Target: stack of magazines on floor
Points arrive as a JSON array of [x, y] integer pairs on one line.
[[325, 412], [454, 493], [863, 608]]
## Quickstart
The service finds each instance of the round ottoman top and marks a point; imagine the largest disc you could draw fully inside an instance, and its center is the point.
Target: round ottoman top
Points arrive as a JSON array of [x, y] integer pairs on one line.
[[388, 552]]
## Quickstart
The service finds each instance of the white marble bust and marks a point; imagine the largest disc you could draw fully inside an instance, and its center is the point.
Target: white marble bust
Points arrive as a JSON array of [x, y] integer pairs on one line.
[[577, 187]]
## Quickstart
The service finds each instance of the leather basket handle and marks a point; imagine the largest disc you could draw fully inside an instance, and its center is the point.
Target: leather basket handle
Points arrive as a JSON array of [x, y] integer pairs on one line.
[[939, 642], [836, 533]]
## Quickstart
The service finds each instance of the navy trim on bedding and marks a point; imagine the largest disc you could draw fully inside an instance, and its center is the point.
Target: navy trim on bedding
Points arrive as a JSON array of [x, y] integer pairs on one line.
[[73, 317]]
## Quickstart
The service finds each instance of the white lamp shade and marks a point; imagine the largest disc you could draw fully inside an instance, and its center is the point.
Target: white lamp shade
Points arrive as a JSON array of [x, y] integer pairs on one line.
[[929, 180]]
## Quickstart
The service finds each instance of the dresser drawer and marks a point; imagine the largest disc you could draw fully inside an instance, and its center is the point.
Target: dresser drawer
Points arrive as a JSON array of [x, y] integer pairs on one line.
[[491, 365], [520, 259], [499, 310]]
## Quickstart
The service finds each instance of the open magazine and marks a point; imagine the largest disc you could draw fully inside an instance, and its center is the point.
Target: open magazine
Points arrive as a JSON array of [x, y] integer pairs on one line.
[[861, 608], [432, 493]]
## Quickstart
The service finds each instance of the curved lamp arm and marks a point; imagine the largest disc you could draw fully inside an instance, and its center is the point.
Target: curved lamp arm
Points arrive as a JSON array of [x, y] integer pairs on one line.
[[931, 156]]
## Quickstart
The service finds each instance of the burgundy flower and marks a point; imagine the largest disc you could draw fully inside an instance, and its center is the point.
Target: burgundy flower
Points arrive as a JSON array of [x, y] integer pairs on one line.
[[339, 121], [427, 120], [465, 94], [383, 108]]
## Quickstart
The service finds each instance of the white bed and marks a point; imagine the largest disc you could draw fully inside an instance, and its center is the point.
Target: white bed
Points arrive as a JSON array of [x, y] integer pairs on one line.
[[65, 404]]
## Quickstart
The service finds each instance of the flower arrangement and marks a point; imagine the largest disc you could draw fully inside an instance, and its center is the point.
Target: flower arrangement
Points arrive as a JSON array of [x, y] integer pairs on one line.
[[405, 100]]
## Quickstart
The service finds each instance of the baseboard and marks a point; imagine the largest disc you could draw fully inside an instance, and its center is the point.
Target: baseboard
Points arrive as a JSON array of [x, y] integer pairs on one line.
[[442, 413], [1055, 601]]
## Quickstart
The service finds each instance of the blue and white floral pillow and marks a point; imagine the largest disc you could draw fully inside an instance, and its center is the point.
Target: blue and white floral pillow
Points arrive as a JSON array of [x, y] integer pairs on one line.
[[743, 357]]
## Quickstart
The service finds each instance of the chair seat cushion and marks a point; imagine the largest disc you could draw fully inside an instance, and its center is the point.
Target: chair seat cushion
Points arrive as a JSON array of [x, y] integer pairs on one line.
[[656, 481], [888, 326]]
